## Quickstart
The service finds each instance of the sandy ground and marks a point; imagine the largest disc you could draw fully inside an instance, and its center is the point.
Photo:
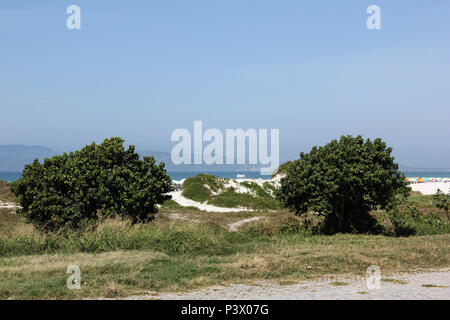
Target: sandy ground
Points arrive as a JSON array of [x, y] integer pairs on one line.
[[185, 202], [433, 285], [428, 188], [237, 225], [7, 205], [229, 183]]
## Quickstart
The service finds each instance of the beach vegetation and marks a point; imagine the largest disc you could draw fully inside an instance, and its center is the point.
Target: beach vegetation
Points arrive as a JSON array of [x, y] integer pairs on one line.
[[201, 187], [216, 191], [343, 181], [283, 168], [442, 201], [76, 190]]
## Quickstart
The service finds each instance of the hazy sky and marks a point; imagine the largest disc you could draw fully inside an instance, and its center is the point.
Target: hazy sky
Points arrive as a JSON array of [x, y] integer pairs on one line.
[[140, 69]]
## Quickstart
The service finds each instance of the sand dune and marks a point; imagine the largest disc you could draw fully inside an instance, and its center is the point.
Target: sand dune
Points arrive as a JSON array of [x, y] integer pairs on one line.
[[428, 188]]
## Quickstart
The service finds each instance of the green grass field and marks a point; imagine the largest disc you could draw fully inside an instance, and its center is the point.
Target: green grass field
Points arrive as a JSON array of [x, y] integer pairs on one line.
[[185, 249]]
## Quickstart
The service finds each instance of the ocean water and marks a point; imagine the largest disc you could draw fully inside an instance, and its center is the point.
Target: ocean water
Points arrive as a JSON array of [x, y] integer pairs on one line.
[[427, 174], [10, 176], [13, 176], [222, 174]]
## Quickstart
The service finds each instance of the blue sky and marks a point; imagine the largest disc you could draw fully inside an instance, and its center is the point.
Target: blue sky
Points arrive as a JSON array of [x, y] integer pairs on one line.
[[140, 69]]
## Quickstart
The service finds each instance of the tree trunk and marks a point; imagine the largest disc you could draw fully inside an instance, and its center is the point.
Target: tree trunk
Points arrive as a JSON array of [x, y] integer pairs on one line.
[[341, 217], [446, 212]]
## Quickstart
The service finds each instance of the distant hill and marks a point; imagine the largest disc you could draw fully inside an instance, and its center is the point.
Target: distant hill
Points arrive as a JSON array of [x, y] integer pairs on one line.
[[14, 157]]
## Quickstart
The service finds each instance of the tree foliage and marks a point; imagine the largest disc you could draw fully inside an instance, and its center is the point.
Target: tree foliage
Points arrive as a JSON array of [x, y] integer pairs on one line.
[[75, 189], [283, 168], [343, 181]]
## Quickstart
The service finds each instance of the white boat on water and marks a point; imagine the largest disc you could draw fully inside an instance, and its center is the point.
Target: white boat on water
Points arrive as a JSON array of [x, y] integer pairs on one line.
[[241, 176]]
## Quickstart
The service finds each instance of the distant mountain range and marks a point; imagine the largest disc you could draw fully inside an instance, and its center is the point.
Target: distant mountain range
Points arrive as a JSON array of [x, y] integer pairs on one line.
[[14, 157]]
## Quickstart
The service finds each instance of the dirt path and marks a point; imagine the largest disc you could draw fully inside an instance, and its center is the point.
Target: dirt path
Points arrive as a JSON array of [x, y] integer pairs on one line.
[[427, 285], [8, 205], [235, 226], [231, 226]]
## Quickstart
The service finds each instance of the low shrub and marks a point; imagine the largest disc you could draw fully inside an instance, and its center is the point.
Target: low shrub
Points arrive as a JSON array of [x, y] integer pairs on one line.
[[232, 199], [197, 192], [405, 225], [278, 225]]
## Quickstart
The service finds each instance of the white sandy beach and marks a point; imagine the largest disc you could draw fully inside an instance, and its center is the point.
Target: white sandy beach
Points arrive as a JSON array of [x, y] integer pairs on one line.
[[185, 202], [428, 188]]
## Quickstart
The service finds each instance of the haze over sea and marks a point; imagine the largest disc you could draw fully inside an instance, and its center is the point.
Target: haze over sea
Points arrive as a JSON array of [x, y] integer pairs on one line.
[[179, 175]]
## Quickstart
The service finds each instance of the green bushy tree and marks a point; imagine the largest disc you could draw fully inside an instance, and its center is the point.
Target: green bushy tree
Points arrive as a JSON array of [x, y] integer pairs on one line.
[[75, 189], [343, 181]]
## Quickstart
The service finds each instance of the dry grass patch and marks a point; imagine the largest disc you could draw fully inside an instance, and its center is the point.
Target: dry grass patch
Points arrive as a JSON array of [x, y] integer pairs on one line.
[[57, 262], [287, 282], [396, 281], [11, 224], [222, 219], [339, 283], [433, 286], [250, 264], [114, 290], [5, 192]]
